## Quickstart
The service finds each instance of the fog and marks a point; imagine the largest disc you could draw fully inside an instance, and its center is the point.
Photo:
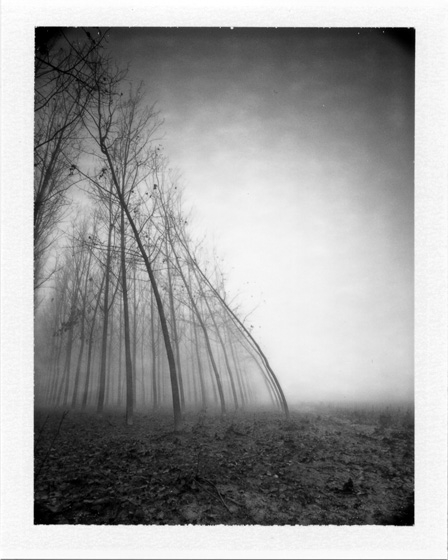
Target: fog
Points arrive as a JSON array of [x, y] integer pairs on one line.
[[295, 147], [295, 152]]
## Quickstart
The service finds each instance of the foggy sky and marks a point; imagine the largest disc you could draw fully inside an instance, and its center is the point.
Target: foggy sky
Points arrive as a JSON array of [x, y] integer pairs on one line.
[[296, 152]]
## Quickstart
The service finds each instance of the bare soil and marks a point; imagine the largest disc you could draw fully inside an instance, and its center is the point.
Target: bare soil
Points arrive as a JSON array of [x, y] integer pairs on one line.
[[324, 466]]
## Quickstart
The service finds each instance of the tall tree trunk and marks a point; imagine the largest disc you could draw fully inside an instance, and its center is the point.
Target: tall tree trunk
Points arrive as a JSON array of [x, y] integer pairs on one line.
[[166, 336], [102, 380], [212, 380], [68, 358], [237, 368], [195, 390], [143, 399], [127, 337], [236, 321], [155, 401], [82, 335], [271, 387], [91, 336], [56, 375], [174, 326], [249, 336], [199, 362], [120, 356], [109, 376], [160, 372], [57, 342], [204, 330], [221, 342], [134, 340], [50, 379]]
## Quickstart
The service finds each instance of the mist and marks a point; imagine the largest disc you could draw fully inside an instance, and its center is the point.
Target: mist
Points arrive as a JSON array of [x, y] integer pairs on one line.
[[223, 276], [295, 147]]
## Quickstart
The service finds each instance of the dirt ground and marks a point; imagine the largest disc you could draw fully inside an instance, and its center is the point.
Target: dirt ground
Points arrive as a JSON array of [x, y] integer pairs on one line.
[[324, 466]]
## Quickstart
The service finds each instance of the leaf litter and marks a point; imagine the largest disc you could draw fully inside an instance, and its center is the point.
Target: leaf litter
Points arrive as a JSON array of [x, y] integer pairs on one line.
[[320, 467]]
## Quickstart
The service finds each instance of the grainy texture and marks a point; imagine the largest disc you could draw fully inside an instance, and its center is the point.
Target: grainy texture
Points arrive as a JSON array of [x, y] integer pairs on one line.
[[326, 466]]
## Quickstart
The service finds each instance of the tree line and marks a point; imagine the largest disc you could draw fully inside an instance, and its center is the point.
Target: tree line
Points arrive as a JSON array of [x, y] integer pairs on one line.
[[138, 317]]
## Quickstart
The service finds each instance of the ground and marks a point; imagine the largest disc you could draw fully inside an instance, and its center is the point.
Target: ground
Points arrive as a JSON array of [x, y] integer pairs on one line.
[[323, 466]]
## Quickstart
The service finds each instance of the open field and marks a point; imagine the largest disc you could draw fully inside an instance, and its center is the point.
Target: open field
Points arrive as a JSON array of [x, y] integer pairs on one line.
[[325, 466]]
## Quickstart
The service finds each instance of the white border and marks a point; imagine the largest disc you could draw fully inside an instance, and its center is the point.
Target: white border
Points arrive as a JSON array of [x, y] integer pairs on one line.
[[20, 538]]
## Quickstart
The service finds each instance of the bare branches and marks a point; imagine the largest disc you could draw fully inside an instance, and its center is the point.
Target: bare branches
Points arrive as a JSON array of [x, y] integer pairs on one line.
[[63, 92], [92, 131]]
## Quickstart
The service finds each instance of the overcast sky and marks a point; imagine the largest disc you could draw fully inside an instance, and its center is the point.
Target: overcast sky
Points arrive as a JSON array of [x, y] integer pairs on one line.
[[296, 153]]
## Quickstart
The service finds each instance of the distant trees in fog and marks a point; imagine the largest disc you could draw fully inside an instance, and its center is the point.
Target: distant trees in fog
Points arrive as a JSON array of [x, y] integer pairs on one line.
[[138, 316], [63, 90]]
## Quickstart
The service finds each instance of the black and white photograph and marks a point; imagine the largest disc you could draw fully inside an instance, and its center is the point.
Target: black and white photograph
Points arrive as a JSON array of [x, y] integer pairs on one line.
[[222, 290], [255, 367]]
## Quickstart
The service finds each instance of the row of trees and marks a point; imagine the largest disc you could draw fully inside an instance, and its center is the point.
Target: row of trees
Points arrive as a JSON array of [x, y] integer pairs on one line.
[[137, 312]]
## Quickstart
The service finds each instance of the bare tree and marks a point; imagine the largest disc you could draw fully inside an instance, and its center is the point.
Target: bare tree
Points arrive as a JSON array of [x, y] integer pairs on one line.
[[63, 90], [83, 304], [106, 309], [85, 95], [178, 226], [123, 129]]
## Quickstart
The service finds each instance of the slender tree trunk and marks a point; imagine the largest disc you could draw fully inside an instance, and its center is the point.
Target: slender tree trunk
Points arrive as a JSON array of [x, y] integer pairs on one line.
[[159, 373], [270, 385], [134, 341], [199, 362], [57, 371], [62, 381], [102, 384], [155, 402], [50, 378], [221, 342], [78, 367], [247, 333], [237, 322], [204, 330], [83, 336], [68, 358], [237, 368], [60, 388], [127, 338], [174, 327], [120, 356], [88, 370], [109, 369], [143, 403], [196, 397], [166, 336], [212, 380], [57, 344], [89, 353]]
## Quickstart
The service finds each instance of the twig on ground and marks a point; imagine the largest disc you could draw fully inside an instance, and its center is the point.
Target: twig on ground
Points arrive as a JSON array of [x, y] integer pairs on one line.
[[217, 491]]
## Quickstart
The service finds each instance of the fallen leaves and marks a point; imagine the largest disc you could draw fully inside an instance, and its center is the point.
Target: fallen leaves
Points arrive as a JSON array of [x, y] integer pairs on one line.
[[325, 468]]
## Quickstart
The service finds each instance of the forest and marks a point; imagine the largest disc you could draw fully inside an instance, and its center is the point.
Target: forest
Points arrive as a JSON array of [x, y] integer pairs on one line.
[[154, 401], [138, 315]]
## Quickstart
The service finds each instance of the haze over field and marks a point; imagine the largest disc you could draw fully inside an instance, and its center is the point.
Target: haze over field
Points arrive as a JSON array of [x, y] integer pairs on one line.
[[295, 148]]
